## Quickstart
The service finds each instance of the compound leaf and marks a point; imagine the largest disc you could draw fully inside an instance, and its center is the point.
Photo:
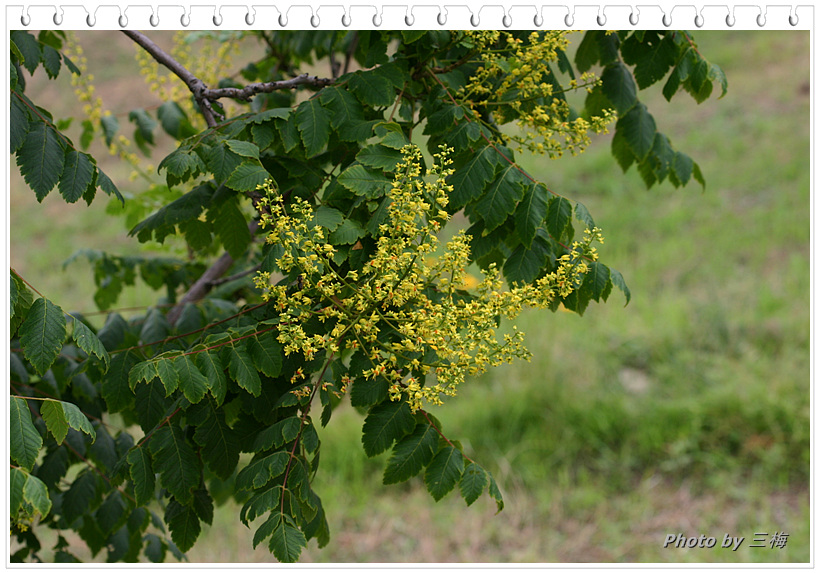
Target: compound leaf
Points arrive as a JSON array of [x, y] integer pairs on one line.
[[59, 416], [444, 472], [385, 423], [142, 474], [25, 440], [42, 334], [175, 461], [411, 454], [89, 342]]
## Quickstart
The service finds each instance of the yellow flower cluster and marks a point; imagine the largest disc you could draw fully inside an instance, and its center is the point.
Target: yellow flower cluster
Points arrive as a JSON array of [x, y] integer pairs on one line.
[[404, 309], [515, 79], [93, 106]]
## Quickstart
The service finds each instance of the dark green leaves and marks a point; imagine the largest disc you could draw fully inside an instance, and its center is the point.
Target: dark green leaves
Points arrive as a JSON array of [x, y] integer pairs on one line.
[[385, 423], [59, 416], [411, 454], [638, 129], [287, 540], [77, 177], [365, 182], [313, 122], [42, 334], [25, 440], [470, 181], [619, 87], [142, 474], [175, 461], [473, 481], [444, 472], [243, 370], [41, 158], [183, 522], [89, 342]]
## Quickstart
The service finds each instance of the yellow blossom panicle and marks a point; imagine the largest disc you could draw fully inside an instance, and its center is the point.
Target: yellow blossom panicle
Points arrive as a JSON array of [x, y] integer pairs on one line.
[[514, 80], [404, 308]]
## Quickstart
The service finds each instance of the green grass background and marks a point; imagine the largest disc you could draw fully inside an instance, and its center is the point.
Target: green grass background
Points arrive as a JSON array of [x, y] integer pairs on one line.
[[686, 411]]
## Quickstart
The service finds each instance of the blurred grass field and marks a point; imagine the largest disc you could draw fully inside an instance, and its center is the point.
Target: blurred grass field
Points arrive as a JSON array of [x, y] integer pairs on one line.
[[686, 411]]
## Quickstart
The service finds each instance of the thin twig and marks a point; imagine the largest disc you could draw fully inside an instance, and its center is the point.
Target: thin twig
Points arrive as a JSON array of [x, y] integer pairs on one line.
[[250, 90]]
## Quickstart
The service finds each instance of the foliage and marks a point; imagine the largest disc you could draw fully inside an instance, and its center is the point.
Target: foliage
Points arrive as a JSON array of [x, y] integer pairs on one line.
[[213, 389]]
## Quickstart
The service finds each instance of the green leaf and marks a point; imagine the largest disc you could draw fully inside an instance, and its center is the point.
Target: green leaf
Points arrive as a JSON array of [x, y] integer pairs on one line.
[[531, 212], [51, 61], [142, 474], [495, 493], [618, 280], [174, 120], [104, 182], [619, 87], [362, 181], [638, 128], [588, 53], [155, 327], [372, 88], [180, 165], [470, 180], [59, 416], [279, 434], [243, 370], [379, 157], [17, 480], [266, 353], [29, 47], [346, 109], [77, 176], [682, 166], [348, 233], [596, 280], [220, 444], [42, 334], [444, 472], [111, 513], [232, 228], [82, 497], [175, 461], [652, 58], [191, 381], [144, 123], [559, 213], [183, 523], [210, 365], [582, 214], [25, 440], [501, 197], [287, 540], [116, 390], [473, 481], [150, 404], [525, 264], [385, 423], [110, 126], [247, 176], [327, 218], [313, 121], [35, 493], [411, 454], [261, 470], [41, 158], [19, 122], [696, 173], [89, 342], [243, 148], [221, 162]]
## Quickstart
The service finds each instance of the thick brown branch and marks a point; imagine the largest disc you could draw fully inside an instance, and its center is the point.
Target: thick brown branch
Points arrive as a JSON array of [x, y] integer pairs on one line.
[[197, 86], [251, 90]]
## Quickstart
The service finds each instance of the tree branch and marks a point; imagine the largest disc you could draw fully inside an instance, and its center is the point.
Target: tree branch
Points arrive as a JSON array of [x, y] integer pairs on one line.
[[251, 90]]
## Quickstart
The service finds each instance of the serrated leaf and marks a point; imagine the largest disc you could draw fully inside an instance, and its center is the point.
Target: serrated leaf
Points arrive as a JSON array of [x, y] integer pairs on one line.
[[313, 122], [444, 472], [174, 120], [41, 158], [588, 53], [150, 404], [78, 174], [619, 87], [104, 182], [276, 436], [696, 173], [221, 162], [372, 88], [501, 197], [287, 540], [638, 128], [25, 440], [42, 334], [232, 228], [59, 416], [559, 212], [29, 47], [347, 233], [652, 58], [115, 388], [183, 523], [142, 474], [266, 353], [89, 342], [473, 481], [327, 218], [362, 181], [582, 214], [470, 180], [261, 470], [211, 366], [618, 280], [243, 370], [495, 493], [35, 493], [175, 461], [144, 123], [411, 454], [243, 148], [191, 381], [51, 61], [110, 126], [111, 513], [155, 327], [379, 157], [596, 280], [683, 166], [385, 423], [247, 176], [530, 213], [82, 497], [346, 109], [525, 264], [180, 165], [220, 444], [19, 123]]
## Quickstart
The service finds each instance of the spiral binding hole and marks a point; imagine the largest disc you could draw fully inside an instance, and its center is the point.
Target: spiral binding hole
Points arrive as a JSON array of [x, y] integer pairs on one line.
[[633, 18], [283, 20], [377, 19], [506, 20], [58, 18], [217, 19], [538, 20], [699, 20], [667, 20], [569, 20], [25, 19], [90, 20], [122, 20], [250, 19], [474, 20], [601, 19], [346, 20], [730, 20], [154, 20], [409, 20], [314, 20], [441, 19], [761, 20], [793, 19]]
